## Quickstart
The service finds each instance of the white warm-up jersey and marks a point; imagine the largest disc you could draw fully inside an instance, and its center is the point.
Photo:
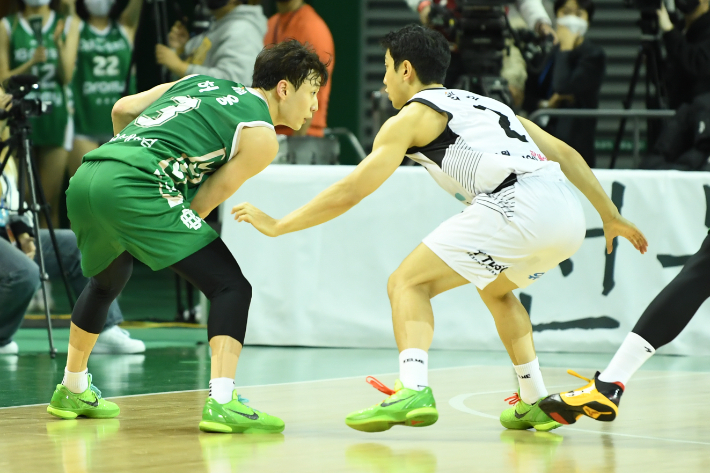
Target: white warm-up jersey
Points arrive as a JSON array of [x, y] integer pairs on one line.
[[483, 149]]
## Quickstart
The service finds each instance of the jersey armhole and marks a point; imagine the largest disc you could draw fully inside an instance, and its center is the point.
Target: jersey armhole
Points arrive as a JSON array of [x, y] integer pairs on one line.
[[238, 132], [431, 105]]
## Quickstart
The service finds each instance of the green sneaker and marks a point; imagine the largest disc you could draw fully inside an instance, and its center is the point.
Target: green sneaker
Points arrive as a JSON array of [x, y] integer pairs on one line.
[[235, 417], [523, 416], [404, 406], [67, 405]]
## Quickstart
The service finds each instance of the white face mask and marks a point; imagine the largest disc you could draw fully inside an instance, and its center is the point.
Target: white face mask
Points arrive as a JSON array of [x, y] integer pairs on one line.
[[37, 3], [574, 23], [99, 7]]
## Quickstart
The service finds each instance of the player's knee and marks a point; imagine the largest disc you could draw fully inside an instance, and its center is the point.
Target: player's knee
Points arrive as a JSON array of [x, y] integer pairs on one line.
[[400, 282]]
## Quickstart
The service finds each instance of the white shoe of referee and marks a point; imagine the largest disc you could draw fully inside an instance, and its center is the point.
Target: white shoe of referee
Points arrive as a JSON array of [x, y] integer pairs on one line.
[[116, 340]]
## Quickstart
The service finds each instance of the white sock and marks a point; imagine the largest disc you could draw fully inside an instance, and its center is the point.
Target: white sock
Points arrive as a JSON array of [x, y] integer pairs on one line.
[[221, 389], [532, 387], [76, 382], [413, 366], [628, 359]]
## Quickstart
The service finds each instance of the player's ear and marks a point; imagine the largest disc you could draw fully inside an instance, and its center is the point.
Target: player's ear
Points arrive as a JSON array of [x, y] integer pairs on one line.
[[407, 70], [282, 89]]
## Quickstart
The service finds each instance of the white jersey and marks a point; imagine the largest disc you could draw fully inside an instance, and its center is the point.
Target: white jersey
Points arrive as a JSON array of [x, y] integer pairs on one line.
[[483, 148]]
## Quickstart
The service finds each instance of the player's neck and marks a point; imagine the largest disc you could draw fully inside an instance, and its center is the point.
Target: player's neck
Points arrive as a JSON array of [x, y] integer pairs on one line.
[[44, 10], [272, 103], [421, 87], [99, 22]]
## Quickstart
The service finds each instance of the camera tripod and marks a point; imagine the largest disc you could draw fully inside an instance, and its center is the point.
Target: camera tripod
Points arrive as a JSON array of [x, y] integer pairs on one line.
[[27, 173], [656, 98]]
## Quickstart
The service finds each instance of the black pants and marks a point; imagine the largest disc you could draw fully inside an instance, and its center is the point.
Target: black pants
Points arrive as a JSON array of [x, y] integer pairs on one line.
[[213, 270], [677, 303]]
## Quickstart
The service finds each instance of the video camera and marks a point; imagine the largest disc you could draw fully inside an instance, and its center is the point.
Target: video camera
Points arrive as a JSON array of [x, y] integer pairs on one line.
[[19, 87]]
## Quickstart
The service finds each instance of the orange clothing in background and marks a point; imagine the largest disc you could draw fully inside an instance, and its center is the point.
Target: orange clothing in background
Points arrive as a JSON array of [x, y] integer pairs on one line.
[[305, 26]]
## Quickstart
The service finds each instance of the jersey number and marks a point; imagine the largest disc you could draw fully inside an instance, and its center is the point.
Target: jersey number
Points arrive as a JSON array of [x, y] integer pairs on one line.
[[504, 123], [47, 76], [105, 66], [182, 105]]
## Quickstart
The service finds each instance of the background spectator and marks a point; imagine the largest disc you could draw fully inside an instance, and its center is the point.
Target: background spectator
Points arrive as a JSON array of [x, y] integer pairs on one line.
[[102, 66], [297, 20], [227, 50], [573, 77], [53, 62], [19, 271]]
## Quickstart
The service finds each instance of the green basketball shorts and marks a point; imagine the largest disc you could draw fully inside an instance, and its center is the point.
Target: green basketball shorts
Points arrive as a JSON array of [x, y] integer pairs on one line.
[[114, 207]]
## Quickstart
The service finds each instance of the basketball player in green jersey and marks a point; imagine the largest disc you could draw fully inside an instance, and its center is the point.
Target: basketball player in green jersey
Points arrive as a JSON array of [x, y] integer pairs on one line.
[[52, 62], [180, 150], [102, 65]]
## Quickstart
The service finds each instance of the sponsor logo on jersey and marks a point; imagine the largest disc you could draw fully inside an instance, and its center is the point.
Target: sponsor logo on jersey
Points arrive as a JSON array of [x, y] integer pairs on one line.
[[228, 100], [145, 142], [103, 87], [100, 45], [207, 86]]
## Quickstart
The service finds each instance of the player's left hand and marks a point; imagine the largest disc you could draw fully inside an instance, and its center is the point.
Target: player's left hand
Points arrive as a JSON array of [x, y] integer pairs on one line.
[[246, 212], [619, 226]]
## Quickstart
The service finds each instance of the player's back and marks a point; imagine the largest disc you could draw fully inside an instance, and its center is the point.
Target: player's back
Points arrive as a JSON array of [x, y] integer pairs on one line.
[[190, 131], [483, 147]]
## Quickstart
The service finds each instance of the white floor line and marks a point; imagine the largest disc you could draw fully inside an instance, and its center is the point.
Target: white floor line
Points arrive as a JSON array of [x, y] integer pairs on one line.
[[458, 403]]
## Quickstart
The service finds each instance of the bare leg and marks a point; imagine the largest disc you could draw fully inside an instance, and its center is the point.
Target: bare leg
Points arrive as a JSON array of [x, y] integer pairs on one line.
[[421, 276], [511, 318], [81, 147], [52, 166], [225, 356]]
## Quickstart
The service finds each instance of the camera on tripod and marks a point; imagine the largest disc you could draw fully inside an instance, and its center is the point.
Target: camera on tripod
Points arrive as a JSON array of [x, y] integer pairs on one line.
[[19, 87]]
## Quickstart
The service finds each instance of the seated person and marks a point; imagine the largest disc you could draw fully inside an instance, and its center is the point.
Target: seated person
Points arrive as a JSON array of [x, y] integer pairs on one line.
[[573, 77], [19, 271]]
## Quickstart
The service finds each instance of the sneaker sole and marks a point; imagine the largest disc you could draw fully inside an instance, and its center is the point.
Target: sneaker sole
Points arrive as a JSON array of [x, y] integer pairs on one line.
[[566, 414], [64, 414], [216, 427], [422, 417]]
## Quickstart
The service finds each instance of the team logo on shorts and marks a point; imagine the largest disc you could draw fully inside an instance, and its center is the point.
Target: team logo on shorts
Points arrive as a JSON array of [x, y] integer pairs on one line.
[[190, 219]]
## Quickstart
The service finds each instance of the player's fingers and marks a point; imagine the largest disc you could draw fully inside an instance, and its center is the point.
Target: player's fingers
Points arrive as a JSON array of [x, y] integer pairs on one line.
[[609, 244]]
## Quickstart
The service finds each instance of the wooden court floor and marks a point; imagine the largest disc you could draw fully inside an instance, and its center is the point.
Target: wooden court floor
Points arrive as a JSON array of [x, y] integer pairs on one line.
[[662, 428]]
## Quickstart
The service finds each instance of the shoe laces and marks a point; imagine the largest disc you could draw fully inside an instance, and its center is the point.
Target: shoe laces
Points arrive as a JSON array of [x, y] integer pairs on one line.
[[379, 386], [514, 399], [574, 373], [94, 389]]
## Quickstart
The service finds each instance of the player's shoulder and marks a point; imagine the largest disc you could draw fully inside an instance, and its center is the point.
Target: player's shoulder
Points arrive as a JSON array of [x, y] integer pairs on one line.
[[261, 137]]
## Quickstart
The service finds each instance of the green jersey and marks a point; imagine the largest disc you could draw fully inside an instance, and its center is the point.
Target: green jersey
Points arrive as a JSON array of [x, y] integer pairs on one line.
[[188, 133], [48, 129], [102, 65]]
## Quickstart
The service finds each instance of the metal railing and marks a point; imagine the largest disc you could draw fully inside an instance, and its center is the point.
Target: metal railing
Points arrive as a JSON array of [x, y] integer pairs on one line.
[[345, 133], [635, 115]]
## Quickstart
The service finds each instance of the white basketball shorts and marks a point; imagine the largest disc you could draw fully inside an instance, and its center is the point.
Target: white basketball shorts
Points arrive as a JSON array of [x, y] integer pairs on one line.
[[524, 230]]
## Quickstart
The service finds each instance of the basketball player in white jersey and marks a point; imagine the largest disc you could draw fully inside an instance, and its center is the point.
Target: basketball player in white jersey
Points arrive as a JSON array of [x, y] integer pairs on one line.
[[522, 220]]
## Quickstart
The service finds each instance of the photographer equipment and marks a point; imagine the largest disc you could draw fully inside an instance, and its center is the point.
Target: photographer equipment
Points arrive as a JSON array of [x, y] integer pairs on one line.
[[480, 29], [649, 54], [22, 109]]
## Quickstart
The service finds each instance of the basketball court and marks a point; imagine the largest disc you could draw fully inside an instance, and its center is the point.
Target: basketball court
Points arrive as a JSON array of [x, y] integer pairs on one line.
[[661, 426]]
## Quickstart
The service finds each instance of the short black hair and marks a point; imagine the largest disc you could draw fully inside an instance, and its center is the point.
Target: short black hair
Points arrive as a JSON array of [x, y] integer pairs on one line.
[[288, 60], [583, 4], [426, 49]]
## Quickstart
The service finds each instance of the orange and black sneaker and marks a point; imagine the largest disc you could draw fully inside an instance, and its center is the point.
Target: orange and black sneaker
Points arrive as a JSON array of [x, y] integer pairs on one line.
[[598, 400]]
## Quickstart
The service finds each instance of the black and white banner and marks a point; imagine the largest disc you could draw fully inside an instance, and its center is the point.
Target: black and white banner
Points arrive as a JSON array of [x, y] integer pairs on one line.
[[326, 286]]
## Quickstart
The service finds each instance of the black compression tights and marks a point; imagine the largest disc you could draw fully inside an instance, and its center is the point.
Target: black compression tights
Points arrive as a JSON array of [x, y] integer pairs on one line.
[[677, 303], [213, 270]]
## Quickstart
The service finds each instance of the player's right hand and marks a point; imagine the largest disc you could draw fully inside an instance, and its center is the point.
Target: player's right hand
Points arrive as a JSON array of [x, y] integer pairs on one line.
[[40, 55], [619, 226], [245, 212]]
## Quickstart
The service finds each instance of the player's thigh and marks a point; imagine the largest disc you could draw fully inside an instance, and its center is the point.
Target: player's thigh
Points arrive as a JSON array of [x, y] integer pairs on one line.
[[422, 267]]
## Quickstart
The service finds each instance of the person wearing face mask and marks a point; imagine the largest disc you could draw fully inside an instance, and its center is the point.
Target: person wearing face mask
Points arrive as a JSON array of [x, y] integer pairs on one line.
[[102, 65], [687, 70], [51, 58], [227, 50], [573, 77]]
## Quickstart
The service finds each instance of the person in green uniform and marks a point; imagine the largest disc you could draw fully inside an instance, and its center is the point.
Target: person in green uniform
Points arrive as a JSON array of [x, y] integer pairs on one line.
[[51, 58], [102, 65], [180, 150]]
